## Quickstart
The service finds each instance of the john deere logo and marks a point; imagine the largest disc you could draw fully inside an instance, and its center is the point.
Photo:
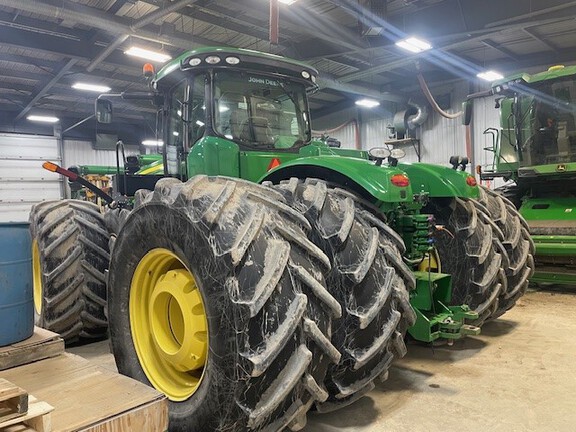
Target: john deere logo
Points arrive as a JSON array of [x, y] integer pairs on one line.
[[561, 168]]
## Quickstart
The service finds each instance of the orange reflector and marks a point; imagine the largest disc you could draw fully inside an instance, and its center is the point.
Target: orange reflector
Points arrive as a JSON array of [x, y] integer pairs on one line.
[[274, 163], [471, 181], [50, 166], [400, 180], [478, 169]]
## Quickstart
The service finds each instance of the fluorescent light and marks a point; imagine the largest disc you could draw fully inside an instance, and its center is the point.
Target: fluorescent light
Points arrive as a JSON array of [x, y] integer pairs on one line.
[[147, 54], [490, 75], [151, 142], [91, 87], [368, 103], [287, 2], [199, 123], [44, 119], [223, 108], [414, 44]]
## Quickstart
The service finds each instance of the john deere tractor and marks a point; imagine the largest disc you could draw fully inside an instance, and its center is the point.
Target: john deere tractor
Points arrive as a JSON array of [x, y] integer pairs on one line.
[[263, 272], [535, 151]]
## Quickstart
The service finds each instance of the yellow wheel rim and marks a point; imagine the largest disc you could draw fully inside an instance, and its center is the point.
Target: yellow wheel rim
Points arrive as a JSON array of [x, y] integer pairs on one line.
[[431, 262], [168, 324], [37, 277]]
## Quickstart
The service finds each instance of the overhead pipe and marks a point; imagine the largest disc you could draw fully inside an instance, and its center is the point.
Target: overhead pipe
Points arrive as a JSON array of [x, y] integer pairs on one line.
[[433, 102], [274, 22]]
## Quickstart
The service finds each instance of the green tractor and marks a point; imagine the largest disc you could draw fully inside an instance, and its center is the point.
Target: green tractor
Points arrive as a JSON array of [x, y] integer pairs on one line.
[[535, 150], [255, 273]]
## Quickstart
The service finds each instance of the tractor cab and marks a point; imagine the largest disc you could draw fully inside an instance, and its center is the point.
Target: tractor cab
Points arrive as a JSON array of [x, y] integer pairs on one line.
[[226, 104]]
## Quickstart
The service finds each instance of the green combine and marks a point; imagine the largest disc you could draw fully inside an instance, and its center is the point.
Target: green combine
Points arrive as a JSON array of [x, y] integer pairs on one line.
[[535, 150], [255, 273]]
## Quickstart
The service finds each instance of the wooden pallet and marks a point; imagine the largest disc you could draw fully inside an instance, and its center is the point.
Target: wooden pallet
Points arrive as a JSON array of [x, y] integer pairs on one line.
[[88, 398], [37, 418], [41, 345], [13, 401]]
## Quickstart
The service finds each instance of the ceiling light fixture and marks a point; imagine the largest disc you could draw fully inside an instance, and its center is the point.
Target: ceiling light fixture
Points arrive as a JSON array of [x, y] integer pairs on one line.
[[490, 75], [43, 119], [152, 142], [91, 87], [414, 44], [147, 54], [367, 103], [287, 2]]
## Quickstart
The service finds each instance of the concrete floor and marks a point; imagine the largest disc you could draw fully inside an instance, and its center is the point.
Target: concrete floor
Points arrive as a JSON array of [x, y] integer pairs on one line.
[[517, 376]]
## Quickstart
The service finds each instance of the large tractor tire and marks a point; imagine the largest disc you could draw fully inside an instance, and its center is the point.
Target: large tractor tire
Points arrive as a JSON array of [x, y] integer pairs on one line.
[[218, 300], [518, 253], [468, 250], [70, 257], [369, 280]]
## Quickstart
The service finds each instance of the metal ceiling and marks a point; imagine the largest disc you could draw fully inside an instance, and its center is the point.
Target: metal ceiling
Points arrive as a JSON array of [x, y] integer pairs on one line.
[[46, 45]]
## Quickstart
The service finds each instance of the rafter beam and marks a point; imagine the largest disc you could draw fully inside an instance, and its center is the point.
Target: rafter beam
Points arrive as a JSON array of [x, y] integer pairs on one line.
[[46, 86], [499, 48], [539, 39]]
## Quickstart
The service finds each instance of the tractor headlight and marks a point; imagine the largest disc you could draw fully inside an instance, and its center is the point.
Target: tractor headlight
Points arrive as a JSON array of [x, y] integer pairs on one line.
[[397, 153], [379, 152]]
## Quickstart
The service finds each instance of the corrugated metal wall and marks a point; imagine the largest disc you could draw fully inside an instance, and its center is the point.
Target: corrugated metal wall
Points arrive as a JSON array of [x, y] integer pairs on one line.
[[82, 153], [440, 137], [23, 182]]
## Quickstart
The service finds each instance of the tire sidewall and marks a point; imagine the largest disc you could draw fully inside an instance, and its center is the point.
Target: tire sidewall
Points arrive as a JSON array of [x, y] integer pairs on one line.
[[217, 388]]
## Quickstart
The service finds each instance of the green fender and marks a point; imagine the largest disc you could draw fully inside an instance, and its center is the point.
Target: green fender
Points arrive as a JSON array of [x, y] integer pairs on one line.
[[438, 181], [371, 182]]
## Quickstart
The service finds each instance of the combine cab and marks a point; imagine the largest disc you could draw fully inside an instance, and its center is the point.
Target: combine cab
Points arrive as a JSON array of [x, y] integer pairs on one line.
[[535, 150]]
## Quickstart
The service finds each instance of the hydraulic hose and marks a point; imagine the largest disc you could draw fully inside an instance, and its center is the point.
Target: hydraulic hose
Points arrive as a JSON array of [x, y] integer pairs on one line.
[[433, 102]]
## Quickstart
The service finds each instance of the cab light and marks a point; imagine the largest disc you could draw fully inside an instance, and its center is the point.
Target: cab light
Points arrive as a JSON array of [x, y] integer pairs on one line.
[[195, 61], [232, 60], [471, 181], [273, 164], [213, 59], [400, 180]]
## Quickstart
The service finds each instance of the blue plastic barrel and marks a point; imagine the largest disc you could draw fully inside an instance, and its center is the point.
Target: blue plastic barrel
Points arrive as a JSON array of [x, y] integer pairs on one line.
[[16, 298]]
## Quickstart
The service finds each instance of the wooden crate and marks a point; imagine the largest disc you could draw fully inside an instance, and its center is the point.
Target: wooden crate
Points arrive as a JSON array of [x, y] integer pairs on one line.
[[88, 398], [41, 345]]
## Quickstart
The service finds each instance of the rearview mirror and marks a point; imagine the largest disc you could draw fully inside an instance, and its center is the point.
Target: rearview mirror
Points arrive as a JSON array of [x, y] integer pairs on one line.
[[104, 111]]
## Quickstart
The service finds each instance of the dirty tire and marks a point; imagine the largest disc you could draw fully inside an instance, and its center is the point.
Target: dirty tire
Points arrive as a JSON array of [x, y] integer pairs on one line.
[[472, 256], [511, 193], [73, 248], [268, 310], [114, 220], [518, 253], [369, 280]]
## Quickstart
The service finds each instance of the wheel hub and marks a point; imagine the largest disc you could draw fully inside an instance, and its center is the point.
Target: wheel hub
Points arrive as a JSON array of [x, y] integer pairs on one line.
[[168, 324], [177, 321]]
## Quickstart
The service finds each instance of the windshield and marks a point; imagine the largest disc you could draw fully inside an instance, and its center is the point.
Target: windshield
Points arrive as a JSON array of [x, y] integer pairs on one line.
[[551, 137], [260, 112]]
